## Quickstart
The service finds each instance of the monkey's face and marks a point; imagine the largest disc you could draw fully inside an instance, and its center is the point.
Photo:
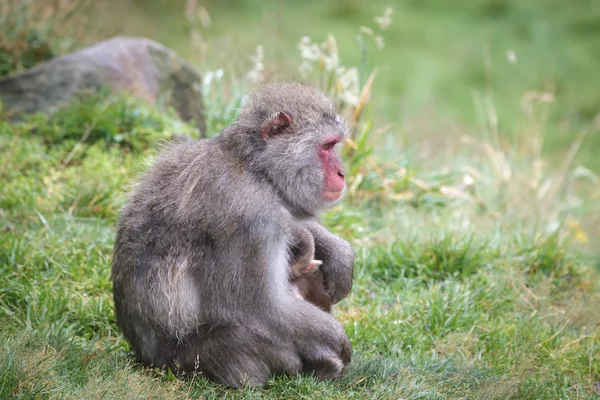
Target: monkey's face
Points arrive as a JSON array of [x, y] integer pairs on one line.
[[303, 162], [296, 132]]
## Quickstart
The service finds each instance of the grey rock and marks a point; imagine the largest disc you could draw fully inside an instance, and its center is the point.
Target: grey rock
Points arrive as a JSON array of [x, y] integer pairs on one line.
[[136, 66]]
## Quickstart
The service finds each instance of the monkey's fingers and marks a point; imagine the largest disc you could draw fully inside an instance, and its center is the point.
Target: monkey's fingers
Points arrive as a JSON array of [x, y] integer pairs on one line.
[[312, 266]]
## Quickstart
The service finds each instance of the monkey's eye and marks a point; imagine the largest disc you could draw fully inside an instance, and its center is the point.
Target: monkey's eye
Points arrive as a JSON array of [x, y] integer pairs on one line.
[[328, 146]]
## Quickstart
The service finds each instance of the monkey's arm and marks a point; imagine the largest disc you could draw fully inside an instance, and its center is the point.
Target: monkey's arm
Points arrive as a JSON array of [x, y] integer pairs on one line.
[[338, 261]]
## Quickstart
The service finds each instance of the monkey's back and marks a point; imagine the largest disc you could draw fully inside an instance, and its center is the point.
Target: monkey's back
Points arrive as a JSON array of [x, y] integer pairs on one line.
[[181, 228]]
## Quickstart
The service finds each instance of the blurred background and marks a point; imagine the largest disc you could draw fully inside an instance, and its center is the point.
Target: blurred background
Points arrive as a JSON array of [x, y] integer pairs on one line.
[[446, 68], [439, 86]]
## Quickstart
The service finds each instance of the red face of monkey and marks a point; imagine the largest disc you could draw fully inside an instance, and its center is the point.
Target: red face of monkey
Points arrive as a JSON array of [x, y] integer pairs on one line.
[[335, 182]]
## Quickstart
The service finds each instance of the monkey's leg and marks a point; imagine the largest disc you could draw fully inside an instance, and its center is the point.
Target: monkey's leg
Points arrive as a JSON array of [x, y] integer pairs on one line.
[[319, 338], [237, 356]]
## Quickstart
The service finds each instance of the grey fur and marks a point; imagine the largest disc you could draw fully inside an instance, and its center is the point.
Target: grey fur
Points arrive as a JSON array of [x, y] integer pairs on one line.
[[203, 249], [307, 279]]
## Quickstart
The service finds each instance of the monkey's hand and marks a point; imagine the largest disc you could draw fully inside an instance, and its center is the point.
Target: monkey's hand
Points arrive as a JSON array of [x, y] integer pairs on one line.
[[338, 261], [312, 266]]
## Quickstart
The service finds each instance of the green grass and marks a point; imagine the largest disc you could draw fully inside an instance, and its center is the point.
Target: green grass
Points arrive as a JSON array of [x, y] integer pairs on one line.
[[446, 304]]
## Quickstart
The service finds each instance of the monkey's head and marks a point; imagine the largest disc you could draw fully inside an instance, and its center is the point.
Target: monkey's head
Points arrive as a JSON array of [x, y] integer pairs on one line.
[[290, 134]]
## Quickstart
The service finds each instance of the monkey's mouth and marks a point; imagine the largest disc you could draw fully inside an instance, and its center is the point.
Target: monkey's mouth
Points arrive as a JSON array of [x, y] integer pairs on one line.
[[332, 195]]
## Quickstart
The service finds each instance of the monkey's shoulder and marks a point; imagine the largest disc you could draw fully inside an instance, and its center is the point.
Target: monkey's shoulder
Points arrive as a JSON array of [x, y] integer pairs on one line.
[[200, 179]]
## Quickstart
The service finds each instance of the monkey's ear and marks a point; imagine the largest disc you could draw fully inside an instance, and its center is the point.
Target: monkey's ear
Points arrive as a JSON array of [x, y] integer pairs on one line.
[[276, 124]]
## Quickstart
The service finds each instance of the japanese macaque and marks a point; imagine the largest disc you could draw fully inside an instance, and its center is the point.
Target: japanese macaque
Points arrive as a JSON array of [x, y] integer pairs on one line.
[[201, 264]]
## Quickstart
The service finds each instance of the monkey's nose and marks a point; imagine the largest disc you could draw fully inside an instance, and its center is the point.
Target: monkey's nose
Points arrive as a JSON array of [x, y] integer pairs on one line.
[[341, 174]]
